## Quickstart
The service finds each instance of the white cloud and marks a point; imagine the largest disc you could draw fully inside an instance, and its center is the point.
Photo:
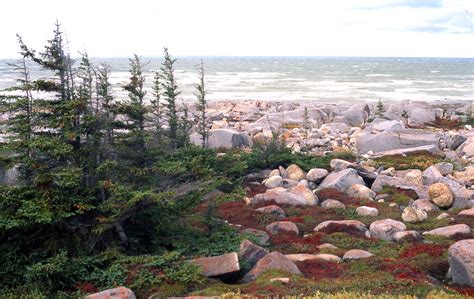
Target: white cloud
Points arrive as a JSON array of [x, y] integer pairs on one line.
[[245, 27]]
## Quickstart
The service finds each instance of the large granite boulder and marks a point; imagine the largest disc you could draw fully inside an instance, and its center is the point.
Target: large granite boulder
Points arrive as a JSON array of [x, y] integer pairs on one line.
[[224, 138], [316, 116], [334, 128], [467, 148], [341, 180], [384, 180], [418, 117], [116, 293], [218, 265], [382, 124], [356, 115], [272, 261], [431, 175], [392, 140], [461, 262]]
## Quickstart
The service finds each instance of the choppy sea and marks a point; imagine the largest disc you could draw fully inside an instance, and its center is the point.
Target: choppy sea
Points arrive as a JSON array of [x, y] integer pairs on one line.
[[325, 79]]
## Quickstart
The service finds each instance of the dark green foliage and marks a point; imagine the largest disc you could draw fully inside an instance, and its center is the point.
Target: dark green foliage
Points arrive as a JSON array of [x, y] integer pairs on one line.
[[201, 104], [170, 96]]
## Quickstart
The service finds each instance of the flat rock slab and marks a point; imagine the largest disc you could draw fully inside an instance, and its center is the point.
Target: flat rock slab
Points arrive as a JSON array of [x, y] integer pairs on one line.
[[272, 261], [431, 149], [467, 213], [282, 227], [321, 256], [117, 293], [450, 231], [356, 254], [385, 180], [461, 262], [218, 265]]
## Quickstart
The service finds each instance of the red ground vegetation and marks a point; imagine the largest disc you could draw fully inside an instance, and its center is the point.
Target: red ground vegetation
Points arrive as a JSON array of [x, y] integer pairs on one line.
[[343, 228], [404, 271], [237, 212], [469, 292], [291, 243], [86, 287], [419, 248], [318, 269]]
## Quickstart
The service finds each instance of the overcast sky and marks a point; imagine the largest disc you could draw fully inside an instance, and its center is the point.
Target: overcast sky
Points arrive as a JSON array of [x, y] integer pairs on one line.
[[426, 28]]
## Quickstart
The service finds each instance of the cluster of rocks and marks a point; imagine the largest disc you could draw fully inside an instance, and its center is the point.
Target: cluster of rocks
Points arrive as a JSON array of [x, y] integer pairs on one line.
[[292, 186], [359, 128]]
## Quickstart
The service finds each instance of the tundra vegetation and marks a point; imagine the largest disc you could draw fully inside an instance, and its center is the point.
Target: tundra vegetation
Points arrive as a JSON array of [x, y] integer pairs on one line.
[[116, 192]]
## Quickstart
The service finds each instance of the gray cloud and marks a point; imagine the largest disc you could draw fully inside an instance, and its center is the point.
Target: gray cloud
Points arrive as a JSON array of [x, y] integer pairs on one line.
[[406, 3], [457, 22]]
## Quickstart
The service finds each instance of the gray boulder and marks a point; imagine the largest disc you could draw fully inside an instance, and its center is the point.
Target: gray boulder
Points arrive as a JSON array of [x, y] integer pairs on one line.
[[224, 138], [384, 180], [385, 229], [390, 140], [272, 261], [461, 262], [341, 180], [251, 253]]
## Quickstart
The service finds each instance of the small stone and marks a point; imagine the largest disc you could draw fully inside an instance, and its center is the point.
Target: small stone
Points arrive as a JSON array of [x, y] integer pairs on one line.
[[301, 257], [295, 172], [407, 236], [338, 164], [443, 216], [332, 204], [356, 254], [385, 229], [413, 215], [360, 191], [367, 211], [283, 280], [445, 168], [425, 205], [327, 246], [272, 210], [431, 175], [316, 174], [331, 226], [467, 213], [272, 261], [441, 195], [414, 176], [116, 293], [274, 172], [282, 227], [273, 182]]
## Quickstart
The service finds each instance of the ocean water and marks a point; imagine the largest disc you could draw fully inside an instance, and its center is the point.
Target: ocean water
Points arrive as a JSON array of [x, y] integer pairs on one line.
[[325, 79]]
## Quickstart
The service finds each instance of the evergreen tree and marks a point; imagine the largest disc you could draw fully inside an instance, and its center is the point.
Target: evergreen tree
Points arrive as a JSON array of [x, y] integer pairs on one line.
[[170, 95], [134, 110], [157, 108], [184, 127], [306, 126], [380, 108], [201, 107]]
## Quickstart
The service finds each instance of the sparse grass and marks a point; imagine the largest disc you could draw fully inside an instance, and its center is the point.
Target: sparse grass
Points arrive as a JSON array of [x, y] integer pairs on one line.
[[420, 161]]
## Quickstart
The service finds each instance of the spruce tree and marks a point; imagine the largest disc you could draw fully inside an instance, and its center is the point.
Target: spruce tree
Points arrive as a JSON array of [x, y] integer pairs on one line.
[[170, 96], [134, 110], [184, 127], [157, 108], [380, 108], [201, 107]]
